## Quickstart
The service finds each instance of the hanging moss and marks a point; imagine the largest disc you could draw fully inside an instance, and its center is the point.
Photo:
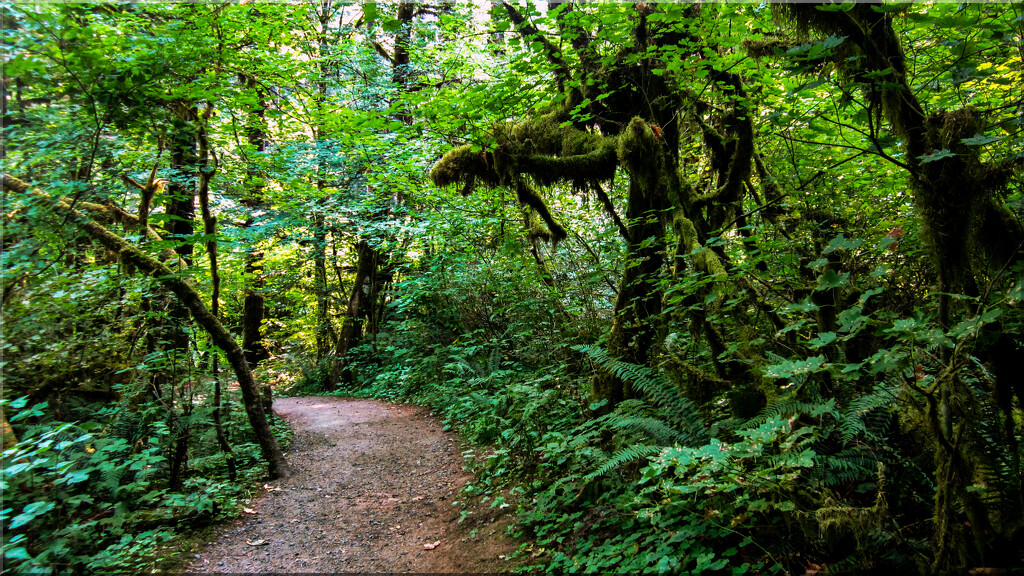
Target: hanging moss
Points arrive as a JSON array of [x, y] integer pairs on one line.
[[546, 149], [768, 47], [529, 197]]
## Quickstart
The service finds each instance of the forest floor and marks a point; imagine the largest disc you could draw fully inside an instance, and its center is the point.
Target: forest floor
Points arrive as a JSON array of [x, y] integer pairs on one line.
[[373, 490]]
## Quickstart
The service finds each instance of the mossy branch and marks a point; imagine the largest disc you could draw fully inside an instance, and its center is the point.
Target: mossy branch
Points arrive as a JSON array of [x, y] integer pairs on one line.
[[110, 214], [546, 150], [464, 165], [705, 259], [595, 165], [191, 299], [529, 197]]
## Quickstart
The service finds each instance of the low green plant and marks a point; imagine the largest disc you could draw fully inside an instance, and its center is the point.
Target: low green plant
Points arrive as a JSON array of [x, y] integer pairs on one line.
[[92, 497], [78, 499]]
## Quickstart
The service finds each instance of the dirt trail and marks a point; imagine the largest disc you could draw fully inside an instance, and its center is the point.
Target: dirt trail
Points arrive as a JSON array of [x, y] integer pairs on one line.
[[374, 483]]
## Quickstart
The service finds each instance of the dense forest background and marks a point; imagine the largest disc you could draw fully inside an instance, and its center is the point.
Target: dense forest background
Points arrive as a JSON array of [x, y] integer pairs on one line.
[[719, 288]]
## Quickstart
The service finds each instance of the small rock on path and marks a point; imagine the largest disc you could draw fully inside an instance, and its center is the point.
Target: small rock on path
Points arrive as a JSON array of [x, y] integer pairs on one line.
[[372, 491]]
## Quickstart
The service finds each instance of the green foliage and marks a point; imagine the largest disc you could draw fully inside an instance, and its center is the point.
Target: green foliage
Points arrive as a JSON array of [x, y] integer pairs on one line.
[[805, 390], [70, 495], [92, 496]]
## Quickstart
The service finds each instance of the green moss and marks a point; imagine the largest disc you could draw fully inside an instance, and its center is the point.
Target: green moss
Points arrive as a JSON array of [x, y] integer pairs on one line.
[[545, 148], [465, 165], [636, 147], [594, 166], [704, 259]]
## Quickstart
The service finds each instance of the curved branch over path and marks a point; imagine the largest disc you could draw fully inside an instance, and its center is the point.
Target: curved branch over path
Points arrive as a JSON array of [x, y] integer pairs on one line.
[[191, 299]]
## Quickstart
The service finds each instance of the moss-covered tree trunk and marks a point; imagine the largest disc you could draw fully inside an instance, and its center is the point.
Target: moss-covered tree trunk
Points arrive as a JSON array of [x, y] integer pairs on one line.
[[180, 227], [603, 123], [638, 303], [206, 173], [970, 234]]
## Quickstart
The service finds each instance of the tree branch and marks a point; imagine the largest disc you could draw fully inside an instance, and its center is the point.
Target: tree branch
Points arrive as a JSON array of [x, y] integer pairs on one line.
[[190, 298], [529, 32]]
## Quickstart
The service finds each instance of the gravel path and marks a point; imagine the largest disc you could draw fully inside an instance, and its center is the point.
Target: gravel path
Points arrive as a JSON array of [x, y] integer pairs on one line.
[[373, 491]]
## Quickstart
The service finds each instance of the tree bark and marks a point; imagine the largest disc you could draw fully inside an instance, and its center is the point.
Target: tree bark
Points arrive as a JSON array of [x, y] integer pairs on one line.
[[324, 342], [191, 299], [206, 173], [639, 299], [254, 306], [360, 306]]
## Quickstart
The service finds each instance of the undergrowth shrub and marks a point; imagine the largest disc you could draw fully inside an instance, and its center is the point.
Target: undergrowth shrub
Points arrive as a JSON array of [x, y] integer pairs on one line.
[[832, 465], [313, 377], [92, 496]]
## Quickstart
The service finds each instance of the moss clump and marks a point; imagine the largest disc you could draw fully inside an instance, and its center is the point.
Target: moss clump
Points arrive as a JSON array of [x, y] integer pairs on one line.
[[544, 148], [637, 146], [465, 165]]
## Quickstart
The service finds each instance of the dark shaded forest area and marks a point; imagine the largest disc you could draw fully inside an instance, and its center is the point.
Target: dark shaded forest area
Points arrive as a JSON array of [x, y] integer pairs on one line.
[[708, 288]]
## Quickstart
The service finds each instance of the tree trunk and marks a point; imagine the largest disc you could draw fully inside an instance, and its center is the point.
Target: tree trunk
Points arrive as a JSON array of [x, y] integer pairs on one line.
[[254, 307], [638, 301], [360, 305], [253, 310], [206, 173], [182, 205], [191, 299], [321, 287]]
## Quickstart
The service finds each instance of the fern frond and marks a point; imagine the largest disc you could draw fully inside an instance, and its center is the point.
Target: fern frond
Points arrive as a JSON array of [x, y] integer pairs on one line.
[[663, 395], [624, 456], [655, 429], [787, 406]]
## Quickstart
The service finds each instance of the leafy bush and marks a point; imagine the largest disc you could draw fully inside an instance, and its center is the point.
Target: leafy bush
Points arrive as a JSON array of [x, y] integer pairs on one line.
[[77, 499], [92, 497]]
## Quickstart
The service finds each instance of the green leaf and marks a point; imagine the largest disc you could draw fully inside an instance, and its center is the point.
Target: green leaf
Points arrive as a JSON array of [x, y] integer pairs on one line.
[[830, 279], [935, 156], [18, 553], [790, 368], [31, 512], [805, 306], [841, 242], [823, 339], [370, 12], [76, 477], [980, 140]]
